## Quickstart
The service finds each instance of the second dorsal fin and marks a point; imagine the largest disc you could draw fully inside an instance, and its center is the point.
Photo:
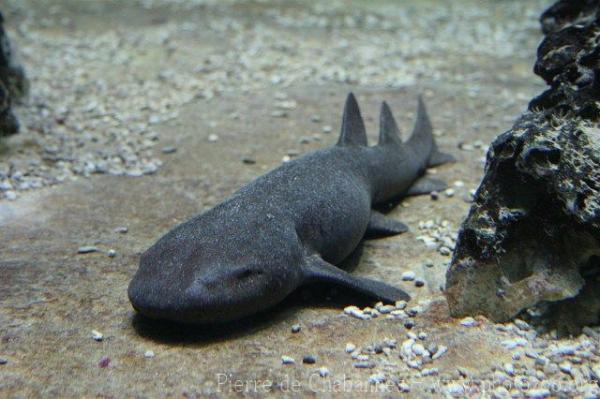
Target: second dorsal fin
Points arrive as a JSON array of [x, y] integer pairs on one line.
[[353, 128], [388, 130]]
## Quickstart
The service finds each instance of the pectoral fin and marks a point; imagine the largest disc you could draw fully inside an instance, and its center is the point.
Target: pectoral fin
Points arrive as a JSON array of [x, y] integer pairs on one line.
[[440, 158], [317, 270], [426, 185], [383, 226]]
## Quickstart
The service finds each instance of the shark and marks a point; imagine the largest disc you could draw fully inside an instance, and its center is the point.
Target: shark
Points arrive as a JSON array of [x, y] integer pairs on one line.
[[290, 227]]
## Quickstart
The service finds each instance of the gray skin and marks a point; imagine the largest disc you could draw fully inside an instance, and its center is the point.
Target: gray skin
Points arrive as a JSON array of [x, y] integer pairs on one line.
[[288, 227]]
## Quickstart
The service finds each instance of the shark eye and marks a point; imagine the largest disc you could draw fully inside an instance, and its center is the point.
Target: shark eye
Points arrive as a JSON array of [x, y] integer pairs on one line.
[[246, 273]]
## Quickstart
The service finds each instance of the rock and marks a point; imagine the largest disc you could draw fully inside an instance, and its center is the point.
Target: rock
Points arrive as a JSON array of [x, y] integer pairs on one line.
[[532, 235], [13, 83]]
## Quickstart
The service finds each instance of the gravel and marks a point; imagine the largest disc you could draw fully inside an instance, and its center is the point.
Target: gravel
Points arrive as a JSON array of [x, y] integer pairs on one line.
[[102, 116]]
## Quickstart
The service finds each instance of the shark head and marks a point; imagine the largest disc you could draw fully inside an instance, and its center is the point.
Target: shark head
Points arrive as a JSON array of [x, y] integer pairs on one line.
[[201, 275]]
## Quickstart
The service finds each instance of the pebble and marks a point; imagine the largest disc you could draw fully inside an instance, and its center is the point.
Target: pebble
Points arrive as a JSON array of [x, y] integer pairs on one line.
[[3, 361], [121, 230], [315, 119], [354, 311], [104, 362], [327, 129], [468, 322], [350, 347], [169, 150], [97, 336], [385, 309], [296, 328], [440, 352], [149, 354], [514, 343], [111, 253], [87, 249], [364, 365], [309, 359], [434, 195], [377, 378], [279, 114], [501, 393], [323, 372], [248, 161], [565, 350], [414, 364], [213, 137], [404, 387], [430, 371], [445, 251], [408, 276], [466, 147], [420, 350], [565, 367], [455, 389], [409, 324], [10, 195], [419, 283], [449, 192], [537, 393], [509, 369], [287, 360]]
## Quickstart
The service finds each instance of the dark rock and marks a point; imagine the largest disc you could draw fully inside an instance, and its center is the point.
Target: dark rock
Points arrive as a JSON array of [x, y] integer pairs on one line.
[[569, 61], [309, 359], [532, 235], [13, 84]]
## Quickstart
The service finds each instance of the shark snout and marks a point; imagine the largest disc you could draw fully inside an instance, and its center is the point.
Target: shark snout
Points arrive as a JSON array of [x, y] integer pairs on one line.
[[215, 296]]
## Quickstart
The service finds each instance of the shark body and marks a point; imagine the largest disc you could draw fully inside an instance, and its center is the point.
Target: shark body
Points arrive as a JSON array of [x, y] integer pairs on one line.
[[289, 227]]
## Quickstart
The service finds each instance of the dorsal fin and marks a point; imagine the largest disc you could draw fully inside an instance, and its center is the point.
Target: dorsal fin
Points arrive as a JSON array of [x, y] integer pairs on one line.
[[423, 126], [388, 130], [353, 128]]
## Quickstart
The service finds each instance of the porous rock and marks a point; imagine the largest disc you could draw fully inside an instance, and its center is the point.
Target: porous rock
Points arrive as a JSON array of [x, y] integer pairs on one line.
[[532, 236]]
